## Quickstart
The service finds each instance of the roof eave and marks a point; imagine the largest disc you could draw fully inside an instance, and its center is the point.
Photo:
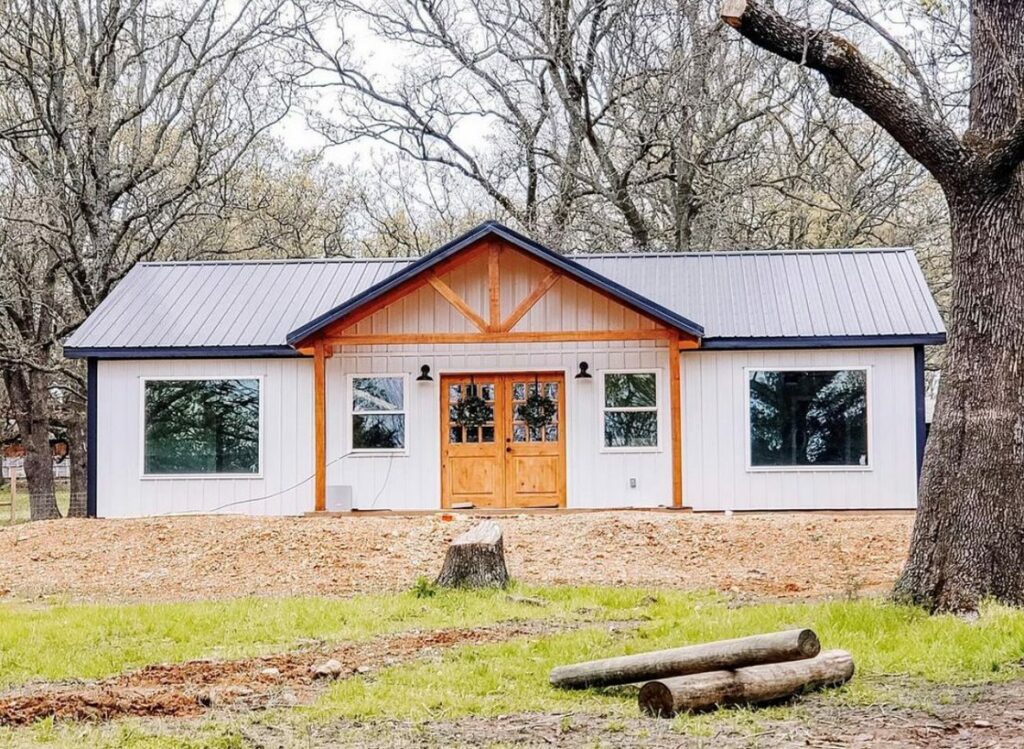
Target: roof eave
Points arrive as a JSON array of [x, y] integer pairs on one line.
[[179, 352], [862, 341]]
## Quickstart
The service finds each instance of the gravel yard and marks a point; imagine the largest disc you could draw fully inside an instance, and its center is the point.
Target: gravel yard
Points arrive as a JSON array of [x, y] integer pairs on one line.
[[200, 557]]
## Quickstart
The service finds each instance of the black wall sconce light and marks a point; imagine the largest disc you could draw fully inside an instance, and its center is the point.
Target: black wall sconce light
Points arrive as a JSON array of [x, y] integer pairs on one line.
[[425, 374], [583, 373]]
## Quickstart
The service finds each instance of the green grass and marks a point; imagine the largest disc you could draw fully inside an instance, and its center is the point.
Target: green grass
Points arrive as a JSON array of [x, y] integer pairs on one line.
[[884, 639], [893, 646], [89, 641], [21, 513]]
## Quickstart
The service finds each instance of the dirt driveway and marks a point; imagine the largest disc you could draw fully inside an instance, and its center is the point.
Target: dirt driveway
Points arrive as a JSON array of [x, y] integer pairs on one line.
[[761, 555]]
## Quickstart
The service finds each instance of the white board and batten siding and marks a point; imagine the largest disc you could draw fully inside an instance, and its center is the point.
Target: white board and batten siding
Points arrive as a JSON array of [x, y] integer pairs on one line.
[[716, 473], [596, 478], [286, 437]]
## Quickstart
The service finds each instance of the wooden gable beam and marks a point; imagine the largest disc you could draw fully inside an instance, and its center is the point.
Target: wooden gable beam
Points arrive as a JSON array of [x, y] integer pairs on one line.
[[457, 302], [532, 298], [494, 286]]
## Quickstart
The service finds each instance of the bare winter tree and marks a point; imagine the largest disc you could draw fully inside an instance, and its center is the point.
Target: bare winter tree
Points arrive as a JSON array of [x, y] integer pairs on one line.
[[966, 542], [600, 118], [123, 121]]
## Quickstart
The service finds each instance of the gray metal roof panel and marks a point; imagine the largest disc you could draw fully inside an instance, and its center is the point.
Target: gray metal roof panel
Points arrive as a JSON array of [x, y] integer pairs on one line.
[[808, 295]]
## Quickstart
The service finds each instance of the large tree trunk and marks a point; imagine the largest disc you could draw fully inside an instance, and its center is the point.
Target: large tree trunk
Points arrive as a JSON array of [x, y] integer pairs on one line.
[[29, 393], [967, 541], [969, 536]]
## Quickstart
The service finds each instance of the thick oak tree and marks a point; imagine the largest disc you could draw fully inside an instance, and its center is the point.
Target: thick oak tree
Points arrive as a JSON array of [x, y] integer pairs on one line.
[[968, 540]]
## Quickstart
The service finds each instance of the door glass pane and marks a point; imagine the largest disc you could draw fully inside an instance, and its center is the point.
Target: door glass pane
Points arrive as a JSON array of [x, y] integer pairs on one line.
[[535, 434], [487, 434], [454, 393], [455, 435], [487, 392], [519, 391], [551, 433], [472, 434], [551, 390], [519, 433]]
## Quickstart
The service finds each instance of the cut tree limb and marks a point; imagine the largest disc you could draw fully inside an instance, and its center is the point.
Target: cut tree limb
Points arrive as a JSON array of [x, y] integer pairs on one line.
[[852, 77], [711, 656], [751, 685], [476, 559]]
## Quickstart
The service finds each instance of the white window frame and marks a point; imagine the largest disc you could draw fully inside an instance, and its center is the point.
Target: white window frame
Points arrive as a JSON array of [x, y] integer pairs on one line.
[[193, 476], [657, 408], [351, 412], [866, 369]]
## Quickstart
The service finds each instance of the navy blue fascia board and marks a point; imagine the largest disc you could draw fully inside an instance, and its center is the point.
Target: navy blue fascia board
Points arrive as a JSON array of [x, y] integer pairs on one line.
[[181, 352], [919, 408], [91, 422], [928, 339], [524, 243]]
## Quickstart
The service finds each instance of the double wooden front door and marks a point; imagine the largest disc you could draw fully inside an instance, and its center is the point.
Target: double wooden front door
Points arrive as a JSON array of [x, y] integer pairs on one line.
[[503, 462]]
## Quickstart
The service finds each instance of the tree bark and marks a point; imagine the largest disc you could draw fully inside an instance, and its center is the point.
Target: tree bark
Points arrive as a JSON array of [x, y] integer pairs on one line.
[[476, 559], [28, 391], [751, 686], [791, 645], [967, 536]]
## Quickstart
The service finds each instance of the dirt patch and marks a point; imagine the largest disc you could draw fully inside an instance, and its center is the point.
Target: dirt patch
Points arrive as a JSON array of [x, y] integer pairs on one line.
[[187, 689], [987, 716], [801, 555]]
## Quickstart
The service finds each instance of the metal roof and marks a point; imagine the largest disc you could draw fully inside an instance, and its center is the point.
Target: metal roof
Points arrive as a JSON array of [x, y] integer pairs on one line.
[[492, 228], [741, 299]]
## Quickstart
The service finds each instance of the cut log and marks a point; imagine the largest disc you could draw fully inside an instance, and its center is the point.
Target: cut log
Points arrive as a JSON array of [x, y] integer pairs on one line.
[[476, 559], [710, 656], [749, 686]]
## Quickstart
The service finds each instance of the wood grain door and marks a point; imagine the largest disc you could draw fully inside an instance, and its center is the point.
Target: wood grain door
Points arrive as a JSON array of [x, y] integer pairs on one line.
[[504, 463], [534, 456], [472, 458]]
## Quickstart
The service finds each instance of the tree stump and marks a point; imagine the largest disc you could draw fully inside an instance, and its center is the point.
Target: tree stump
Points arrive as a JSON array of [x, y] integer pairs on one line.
[[476, 559]]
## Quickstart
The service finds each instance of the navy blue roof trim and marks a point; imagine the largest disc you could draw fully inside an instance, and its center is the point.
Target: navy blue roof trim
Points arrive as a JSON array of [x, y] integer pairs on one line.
[[526, 244], [180, 352], [932, 339]]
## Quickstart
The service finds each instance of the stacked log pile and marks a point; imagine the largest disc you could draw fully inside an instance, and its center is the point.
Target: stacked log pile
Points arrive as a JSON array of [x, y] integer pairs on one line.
[[748, 670]]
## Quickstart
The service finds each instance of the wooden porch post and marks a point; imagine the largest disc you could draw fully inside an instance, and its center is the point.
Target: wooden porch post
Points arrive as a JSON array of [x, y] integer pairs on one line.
[[320, 423], [676, 397]]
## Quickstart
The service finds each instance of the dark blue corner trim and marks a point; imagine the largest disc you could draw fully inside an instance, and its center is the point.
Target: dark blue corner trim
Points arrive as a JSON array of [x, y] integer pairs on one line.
[[90, 437], [931, 339], [919, 409], [493, 228], [180, 352]]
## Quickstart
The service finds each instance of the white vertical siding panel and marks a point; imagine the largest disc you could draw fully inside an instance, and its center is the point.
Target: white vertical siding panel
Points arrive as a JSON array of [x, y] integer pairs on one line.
[[716, 475], [287, 442]]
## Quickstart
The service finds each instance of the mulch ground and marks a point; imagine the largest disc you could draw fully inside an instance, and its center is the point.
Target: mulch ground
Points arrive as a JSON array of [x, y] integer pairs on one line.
[[180, 690], [793, 555], [941, 718]]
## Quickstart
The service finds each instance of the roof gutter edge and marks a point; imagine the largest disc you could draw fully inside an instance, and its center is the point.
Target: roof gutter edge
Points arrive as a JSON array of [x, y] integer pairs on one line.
[[736, 343], [179, 352]]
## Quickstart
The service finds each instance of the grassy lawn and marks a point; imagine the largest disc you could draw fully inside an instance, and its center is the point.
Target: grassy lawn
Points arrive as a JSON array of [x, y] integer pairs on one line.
[[21, 503], [890, 645]]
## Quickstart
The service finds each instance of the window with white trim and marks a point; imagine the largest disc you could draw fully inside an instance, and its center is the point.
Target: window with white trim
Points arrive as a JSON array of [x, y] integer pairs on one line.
[[807, 418], [378, 413], [201, 426], [630, 410]]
